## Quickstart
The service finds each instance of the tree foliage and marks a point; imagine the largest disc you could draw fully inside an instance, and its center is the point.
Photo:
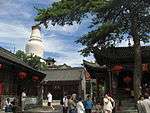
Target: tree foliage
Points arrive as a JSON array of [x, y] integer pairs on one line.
[[32, 60], [106, 15]]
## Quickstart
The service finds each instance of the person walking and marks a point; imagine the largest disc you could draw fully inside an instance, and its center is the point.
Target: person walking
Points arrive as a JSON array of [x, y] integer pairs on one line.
[[88, 104], [140, 105], [65, 104], [146, 103], [108, 107], [72, 104], [80, 106], [98, 108], [49, 96]]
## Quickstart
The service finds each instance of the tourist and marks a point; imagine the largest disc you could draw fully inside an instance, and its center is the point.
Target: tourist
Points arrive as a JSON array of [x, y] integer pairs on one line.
[[74, 97], [8, 105], [146, 103], [14, 105], [49, 96], [88, 104], [98, 108], [72, 104], [140, 105], [80, 106], [23, 99], [108, 107], [65, 104]]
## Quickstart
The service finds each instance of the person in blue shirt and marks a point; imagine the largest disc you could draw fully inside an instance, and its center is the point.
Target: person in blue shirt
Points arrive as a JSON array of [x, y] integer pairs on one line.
[[88, 104]]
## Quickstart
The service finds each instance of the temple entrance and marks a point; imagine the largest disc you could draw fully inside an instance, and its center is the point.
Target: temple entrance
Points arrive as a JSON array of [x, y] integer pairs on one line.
[[123, 83]]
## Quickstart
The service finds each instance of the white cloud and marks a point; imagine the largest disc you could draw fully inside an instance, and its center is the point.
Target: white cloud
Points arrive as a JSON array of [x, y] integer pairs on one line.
[[52, 44], [12, 30], [13, 8], [13, 33], [72, 58], [68, 54]]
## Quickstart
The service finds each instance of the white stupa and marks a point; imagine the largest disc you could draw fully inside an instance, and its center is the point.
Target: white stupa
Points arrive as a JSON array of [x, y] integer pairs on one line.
[[35, 45]]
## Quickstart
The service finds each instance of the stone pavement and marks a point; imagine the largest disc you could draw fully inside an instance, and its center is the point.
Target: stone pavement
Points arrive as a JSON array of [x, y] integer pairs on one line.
[[44, 109], [38, 110]]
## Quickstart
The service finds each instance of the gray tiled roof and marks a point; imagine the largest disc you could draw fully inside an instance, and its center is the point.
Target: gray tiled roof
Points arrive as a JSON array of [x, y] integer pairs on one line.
[[120, 55], [8, 56], [64, 74]]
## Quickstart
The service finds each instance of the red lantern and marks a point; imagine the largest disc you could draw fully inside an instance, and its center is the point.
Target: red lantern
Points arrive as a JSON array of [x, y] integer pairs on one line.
[[1, 66], [22, 75], [145, 67], [117, 68], [127, 79], [35, 78]]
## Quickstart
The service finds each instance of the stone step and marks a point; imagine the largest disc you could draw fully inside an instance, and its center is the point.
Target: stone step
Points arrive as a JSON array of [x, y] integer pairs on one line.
[[129, 104], [126, 108], [128, 101], [127, 111]]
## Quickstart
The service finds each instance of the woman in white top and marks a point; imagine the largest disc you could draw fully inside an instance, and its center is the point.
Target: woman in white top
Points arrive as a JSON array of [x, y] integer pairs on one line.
[[65, 104], [80, 106], [108, 104]]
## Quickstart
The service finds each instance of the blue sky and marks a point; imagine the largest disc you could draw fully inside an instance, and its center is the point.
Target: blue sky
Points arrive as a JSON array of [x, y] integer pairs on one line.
[[16, 19]]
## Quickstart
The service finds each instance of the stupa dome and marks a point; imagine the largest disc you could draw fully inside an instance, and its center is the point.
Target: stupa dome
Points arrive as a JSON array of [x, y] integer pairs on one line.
[[35, 45]]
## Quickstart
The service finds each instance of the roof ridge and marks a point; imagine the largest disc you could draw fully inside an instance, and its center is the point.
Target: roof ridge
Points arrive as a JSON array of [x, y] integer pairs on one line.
[[73, 68]]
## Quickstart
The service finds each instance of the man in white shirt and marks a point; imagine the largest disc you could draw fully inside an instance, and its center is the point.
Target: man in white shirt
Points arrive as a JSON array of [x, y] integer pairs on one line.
[[49, 96], [140, 106], [146, 103]]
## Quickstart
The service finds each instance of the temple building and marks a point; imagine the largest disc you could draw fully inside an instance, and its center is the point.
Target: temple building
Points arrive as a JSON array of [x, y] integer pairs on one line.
[[115, 70], [64, 81], [16, 77], [35, 44]]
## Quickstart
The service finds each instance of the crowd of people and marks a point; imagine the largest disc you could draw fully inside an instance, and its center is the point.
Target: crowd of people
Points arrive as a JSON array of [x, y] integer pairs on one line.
[[143, 104], [72, 104], [10, 106]]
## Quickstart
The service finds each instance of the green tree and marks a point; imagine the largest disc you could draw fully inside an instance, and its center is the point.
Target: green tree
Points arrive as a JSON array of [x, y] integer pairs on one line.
[[112, 21], [32, 60]]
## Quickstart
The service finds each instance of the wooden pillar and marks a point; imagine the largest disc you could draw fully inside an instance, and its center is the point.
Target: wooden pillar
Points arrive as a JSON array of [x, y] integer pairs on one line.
[[91, 88], [107, 83], [80, 89], [110, 79], [39, 93], [97, 88]]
